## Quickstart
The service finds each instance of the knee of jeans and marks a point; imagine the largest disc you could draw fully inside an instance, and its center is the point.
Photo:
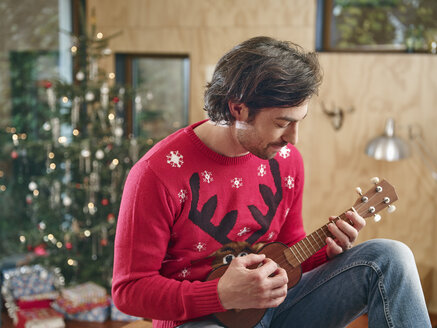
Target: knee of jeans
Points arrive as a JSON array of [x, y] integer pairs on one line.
[[394, 253]]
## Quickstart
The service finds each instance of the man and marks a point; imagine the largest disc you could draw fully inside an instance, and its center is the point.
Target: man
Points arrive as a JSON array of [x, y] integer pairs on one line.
[[215, 192]]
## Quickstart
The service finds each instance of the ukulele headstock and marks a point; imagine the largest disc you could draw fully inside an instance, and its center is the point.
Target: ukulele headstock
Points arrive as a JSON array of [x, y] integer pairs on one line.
[[380, 196]]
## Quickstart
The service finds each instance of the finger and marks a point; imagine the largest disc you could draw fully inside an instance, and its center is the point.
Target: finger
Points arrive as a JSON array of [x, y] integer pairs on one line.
[[357, 220], [340, 237], [334, 248], [248, 260], [279, 279], [348, 230], [280, 292], [268, 268]]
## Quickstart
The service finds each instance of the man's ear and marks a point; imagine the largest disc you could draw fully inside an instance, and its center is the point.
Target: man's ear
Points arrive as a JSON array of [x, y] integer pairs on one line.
[[238, 110]]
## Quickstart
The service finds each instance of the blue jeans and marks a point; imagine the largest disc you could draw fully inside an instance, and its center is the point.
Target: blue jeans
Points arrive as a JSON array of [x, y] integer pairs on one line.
[[378, 277]]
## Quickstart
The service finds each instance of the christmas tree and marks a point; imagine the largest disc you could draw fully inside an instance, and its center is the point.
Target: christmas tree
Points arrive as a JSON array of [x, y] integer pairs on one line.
[[65, 156]]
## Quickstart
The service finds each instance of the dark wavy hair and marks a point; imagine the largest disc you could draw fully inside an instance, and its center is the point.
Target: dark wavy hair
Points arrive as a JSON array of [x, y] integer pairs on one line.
[[261, 73]]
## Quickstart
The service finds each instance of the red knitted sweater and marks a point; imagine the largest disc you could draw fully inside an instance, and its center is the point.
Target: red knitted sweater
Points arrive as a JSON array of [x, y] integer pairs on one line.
[[181, 204]]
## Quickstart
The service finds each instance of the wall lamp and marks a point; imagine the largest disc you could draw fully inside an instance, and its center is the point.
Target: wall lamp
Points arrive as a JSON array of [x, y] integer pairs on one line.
[[388, 147]]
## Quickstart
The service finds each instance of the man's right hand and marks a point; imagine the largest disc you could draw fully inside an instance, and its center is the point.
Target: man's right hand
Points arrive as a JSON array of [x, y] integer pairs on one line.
[[263, 287]]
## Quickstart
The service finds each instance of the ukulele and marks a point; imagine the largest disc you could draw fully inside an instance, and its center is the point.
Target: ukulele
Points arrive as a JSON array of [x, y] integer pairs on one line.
[[380, 196]]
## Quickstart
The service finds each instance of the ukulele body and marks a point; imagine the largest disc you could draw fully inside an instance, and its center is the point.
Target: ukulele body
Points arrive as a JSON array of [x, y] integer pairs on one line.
[[248, 318]]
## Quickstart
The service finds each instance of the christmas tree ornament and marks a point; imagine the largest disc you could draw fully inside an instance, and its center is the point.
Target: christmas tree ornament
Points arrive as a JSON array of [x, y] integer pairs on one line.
[[55, 194], [95, 177], [94, 248], [67, 176], [46, 126], [100, 154], [66, 201], [80, 76], [51, 98], [32, 186], [104, 95], [15, 139], [85, 160], [110, 218], [89, 96], [93, 69], [133, 149], [75, 111], [56, 129], [42, 226]]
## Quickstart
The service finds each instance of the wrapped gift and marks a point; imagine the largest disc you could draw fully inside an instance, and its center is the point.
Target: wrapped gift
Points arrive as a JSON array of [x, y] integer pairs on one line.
[[117, 315], [72, 308], [34, 282], [88, 292], [97, 314], [39, 318], [37, 300], [29, 280]]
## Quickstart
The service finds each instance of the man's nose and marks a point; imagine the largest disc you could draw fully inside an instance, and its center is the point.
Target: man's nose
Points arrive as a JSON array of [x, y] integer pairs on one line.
[[291, 134]]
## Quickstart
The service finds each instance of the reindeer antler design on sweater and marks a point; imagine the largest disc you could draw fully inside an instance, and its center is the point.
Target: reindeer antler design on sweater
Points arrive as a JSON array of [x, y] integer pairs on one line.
[[204, 217]]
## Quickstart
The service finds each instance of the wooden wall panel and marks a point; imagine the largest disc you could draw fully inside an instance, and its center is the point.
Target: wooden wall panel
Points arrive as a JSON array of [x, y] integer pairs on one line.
[[378, 86]]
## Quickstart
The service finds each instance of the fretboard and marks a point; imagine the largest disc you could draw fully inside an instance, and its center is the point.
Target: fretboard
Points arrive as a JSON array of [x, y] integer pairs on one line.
[[312, 243]]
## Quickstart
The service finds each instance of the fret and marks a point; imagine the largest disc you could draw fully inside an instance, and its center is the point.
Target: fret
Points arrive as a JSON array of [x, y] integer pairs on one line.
[[317, 233], [303, 241], [301, 257], [297, 258], [303, 251], [317, 242], [324, 231], [312, 245]]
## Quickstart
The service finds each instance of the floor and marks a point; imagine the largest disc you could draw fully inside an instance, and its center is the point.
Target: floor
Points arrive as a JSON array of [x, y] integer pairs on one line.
[[7, 323]]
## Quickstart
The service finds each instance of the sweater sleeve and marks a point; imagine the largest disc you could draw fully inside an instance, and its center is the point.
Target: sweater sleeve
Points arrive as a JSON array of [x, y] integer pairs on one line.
[[143, 233], [293, 230]]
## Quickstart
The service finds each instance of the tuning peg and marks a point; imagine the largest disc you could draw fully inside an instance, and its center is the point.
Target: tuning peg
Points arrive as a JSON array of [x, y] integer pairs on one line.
[[359, 191], [391, 208], [377, 218], [374, 180]]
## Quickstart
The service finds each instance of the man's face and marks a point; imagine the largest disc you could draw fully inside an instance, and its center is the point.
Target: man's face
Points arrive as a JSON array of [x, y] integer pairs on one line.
[[270, 130]]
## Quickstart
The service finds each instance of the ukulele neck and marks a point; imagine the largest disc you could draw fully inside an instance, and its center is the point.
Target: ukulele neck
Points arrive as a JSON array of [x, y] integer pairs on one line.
[[312, 243]]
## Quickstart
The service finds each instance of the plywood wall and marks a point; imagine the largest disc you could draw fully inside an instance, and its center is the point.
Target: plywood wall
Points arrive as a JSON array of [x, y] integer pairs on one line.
[[377, 86]]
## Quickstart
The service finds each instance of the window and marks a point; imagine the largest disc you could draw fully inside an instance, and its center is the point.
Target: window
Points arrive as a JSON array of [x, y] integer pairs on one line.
[[35, 46], [160, 86], [377, 25]]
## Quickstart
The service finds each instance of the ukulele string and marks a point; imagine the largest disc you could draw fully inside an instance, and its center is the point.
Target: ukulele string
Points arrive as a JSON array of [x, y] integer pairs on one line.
[[282, 260]]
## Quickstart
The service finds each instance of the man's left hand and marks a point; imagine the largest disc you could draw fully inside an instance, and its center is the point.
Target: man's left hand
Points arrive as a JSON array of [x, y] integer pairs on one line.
[[344, 233]]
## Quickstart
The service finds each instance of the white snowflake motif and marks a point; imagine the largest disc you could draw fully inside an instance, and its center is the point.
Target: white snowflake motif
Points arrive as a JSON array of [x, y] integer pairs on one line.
[[284, 152], [237, 182], [243, 231], [289, 182], [262, 170], [175, 159], [183, 195], [271, 235], [200, 247], [185, 273], [207, 176]]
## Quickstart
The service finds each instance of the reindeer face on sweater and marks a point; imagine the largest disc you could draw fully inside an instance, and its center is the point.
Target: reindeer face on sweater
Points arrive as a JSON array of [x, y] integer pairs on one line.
[[232, 250]]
